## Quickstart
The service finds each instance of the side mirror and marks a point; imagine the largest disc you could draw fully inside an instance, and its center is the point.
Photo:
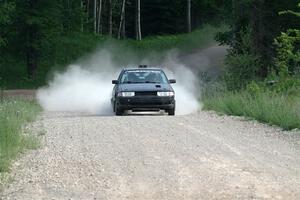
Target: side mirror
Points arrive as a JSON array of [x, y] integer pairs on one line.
[[115, 82], [172, 81]]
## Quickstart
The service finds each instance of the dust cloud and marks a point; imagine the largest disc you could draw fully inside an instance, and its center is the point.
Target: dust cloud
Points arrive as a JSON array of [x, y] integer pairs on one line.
[[86, 86]]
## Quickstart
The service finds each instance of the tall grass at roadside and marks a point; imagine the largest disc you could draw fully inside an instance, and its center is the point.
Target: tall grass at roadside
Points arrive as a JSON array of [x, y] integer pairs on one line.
[[267, 107], [14, 113]]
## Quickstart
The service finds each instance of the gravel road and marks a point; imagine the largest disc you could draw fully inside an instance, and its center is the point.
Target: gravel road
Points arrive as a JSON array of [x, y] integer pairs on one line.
[[198, 156]]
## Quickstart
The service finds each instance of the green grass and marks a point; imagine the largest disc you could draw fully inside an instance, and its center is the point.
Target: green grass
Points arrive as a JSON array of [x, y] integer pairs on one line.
[[14, 114], [267, 107], [65, 50]]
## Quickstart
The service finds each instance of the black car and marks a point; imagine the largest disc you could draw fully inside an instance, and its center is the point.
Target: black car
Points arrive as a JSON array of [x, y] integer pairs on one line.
[[143, 89]]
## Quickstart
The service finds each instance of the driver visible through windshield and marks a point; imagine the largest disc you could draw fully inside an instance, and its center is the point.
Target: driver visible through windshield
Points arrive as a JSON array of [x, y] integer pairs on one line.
[[144, 76]]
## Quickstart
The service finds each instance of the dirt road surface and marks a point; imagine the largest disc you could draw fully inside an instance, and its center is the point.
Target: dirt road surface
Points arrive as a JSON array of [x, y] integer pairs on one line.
[[25, 94], [198, 156]]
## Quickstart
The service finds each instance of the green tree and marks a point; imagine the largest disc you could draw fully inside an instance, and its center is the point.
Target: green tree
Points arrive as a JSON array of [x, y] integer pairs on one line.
[[37, 23], [6, 11], [291, 12], [259, 21], [287, 61]]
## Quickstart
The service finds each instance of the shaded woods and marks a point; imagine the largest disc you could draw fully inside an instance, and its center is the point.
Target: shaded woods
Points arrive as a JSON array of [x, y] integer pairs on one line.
[[33, 33]]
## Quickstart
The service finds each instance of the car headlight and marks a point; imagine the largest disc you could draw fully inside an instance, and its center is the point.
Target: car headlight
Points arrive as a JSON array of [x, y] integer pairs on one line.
[[165, 94], [126, 94]]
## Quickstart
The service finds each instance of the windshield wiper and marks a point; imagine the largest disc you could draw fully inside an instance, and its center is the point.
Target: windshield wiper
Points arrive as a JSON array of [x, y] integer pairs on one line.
[[133, 82], [130, 82], [151, 82]]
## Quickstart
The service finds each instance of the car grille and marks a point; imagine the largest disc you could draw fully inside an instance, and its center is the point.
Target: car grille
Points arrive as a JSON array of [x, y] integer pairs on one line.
[[152, 101], [146, 93]]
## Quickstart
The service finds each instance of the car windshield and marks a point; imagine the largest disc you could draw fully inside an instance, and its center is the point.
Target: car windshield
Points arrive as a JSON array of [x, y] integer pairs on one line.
[[143, 76]]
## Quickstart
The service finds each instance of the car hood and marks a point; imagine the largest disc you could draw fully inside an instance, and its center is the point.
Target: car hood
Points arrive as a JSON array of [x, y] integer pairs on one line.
[[144, 87]]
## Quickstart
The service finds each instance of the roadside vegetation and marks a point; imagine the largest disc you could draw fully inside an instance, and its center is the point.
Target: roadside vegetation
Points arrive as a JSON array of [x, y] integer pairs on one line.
[[261, 79], [14, 114], [274, 100], [265, 106]]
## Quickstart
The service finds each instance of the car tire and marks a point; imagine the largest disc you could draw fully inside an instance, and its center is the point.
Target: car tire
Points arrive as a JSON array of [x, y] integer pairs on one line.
[[171, 112], [118, 111], [114, 107]]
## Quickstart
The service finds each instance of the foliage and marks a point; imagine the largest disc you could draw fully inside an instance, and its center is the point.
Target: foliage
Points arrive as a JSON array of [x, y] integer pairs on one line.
[[241, 69], [186, 42], [260, 22], [30, 29], [161, 17], [242, 64], [261, 76], [42, 34], [13, 115], [287, 61], [254, 88], [66, 49], [275, 100], [6, 10], [291, 12], [289, 86]]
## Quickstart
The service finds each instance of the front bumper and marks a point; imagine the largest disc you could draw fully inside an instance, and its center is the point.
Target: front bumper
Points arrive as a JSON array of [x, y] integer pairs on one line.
[[145, 103]]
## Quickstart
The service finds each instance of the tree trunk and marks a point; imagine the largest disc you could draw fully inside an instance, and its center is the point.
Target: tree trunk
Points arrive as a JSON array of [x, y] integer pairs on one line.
[[234, 17], [138, 20], [31, 53], [122, 22], [69, 17], [99, 28], [124, 25], [110, 17], [87, 10], [259, 34], [81, 14], [95, 16], [189, 24]]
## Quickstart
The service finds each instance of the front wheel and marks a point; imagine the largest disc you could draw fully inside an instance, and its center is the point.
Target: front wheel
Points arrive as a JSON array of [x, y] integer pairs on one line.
[[171, 112], [117, 110]]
